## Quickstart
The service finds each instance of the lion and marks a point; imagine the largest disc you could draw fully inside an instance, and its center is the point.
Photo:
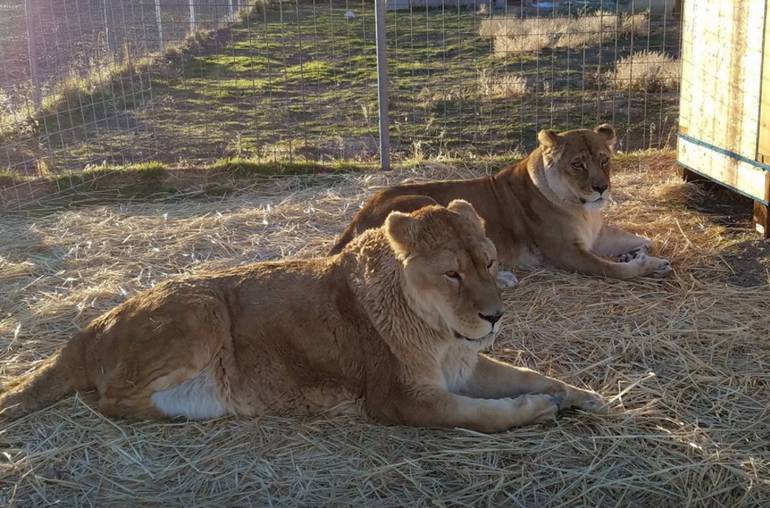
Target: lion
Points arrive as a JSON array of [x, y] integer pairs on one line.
[[547, 207], [396, 323]]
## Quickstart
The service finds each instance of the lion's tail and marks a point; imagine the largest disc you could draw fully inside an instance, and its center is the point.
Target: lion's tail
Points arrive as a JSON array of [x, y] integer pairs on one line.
[[58, 376]]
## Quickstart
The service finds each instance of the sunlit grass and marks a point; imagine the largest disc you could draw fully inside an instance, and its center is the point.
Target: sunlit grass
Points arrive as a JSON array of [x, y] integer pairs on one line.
[[305, 89]]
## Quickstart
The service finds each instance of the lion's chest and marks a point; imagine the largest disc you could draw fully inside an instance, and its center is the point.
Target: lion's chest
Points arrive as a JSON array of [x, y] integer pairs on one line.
[[588, 227], [457, 365]]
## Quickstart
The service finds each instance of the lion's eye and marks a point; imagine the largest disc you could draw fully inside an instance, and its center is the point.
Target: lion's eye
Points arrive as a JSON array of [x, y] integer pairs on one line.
[[491, 264], [453, 275], [604, 161], [577, 164]]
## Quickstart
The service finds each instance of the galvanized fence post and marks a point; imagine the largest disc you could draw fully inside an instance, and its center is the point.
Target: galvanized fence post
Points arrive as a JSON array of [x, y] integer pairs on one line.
[[160, 25], [108, 35], [382, 83], [192, 16], [34, 76]]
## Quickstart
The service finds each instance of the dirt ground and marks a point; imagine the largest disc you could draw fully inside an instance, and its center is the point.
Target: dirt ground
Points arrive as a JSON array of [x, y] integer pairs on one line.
[[685, 361]]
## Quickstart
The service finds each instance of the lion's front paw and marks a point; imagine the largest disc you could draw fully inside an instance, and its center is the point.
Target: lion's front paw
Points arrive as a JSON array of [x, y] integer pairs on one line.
[[657, 267], [506, 280], [543, 407], [650, 266], [635, 253], [592, 402]]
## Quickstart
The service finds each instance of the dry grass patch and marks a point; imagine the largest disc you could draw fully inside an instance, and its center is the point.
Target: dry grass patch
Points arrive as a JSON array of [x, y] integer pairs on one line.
[[490, 85], [428, 97], [646, 71], [685, 362], [502, 86], [514, 35]]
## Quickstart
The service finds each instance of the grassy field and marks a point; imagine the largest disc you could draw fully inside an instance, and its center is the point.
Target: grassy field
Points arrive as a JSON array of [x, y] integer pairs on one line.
[[298, 81], [685, 361]]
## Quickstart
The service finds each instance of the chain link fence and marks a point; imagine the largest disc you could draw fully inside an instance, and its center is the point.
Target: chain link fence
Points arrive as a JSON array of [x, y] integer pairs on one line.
[[85, 83]]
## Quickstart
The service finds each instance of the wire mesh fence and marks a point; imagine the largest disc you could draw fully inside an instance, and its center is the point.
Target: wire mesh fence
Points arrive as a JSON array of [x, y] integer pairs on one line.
[[488, 83], [90, 82]]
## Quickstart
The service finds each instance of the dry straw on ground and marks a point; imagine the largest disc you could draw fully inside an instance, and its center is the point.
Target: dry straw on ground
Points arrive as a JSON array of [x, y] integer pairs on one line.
[[513, 36], [685, 362], [646, 71]]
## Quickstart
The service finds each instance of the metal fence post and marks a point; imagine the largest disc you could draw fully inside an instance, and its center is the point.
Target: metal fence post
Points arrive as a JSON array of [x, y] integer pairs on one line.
[[160, 25], [382, 83], [192, 16], [37, 100], [107, 32]]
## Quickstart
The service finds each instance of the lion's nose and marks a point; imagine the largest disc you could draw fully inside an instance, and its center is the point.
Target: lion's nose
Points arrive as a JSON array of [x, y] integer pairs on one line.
[[492, 318], [600, 188]]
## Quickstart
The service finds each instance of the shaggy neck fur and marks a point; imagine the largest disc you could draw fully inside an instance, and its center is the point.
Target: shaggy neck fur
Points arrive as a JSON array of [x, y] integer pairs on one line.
[[377, 279]]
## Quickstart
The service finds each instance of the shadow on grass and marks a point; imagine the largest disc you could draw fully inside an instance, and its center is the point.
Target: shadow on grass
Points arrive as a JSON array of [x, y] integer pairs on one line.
[[282, 83]]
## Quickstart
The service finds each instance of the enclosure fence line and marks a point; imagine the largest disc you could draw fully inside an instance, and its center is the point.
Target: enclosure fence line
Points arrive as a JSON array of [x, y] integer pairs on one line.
[[382, 85], [92, 83]]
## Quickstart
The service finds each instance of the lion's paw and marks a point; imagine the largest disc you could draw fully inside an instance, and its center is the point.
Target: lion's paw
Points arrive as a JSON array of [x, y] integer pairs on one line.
[[592, 402], [506, 280], [544, 407], [642, 250], [657, 267]]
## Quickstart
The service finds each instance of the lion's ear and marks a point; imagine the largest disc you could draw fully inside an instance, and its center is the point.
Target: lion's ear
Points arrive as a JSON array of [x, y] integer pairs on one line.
[[462, 207], [607, 131], [402, 231], [548, 138]]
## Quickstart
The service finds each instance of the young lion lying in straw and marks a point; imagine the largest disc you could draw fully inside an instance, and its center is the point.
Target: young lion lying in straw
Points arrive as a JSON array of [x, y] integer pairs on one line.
[[548, 206], [397, 319]]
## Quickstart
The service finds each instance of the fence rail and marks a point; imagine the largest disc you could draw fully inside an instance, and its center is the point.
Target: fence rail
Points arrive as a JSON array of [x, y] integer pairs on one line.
[[91, 82]]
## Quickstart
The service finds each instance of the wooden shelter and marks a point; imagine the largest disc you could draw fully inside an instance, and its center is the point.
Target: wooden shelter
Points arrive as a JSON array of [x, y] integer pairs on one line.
[[724, 126]]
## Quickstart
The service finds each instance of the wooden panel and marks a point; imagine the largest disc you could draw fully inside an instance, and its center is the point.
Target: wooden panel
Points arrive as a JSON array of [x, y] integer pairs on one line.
[[725, 95], [762, 219], [722, 46], [762, 212], [763, 148], [740, 175]]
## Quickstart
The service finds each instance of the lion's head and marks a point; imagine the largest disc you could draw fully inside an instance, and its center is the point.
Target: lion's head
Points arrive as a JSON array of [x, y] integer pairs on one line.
[[449, 268], [577, 164]]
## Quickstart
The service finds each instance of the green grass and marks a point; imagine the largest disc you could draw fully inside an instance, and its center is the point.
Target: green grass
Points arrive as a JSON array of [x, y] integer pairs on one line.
[[300, 85], [240, 167], [155, 180]]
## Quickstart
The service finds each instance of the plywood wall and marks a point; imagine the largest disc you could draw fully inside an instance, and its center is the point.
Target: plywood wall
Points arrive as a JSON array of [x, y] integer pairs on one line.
[[763, 150], [722, 60]]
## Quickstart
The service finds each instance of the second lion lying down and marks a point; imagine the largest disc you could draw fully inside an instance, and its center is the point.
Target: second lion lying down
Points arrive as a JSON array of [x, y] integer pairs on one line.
[[397, 320], [546, 208]]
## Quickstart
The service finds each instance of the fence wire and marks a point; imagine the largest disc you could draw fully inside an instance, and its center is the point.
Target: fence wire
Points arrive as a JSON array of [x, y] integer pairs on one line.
[[85, 83]]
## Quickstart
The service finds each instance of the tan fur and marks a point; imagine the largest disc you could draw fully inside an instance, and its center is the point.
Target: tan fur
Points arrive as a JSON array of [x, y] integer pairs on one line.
[[546, 207], [396, 320]]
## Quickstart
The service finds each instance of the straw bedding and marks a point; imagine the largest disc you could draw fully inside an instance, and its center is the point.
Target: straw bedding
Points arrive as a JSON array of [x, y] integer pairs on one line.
[[685, 361]]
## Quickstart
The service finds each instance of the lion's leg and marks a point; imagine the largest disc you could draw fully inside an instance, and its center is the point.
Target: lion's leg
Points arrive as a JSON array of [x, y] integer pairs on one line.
[[162, 359], [188, 392], [583, 261], [614, 242], [135, 408], [186, 395], [435, 407], [494, 379]]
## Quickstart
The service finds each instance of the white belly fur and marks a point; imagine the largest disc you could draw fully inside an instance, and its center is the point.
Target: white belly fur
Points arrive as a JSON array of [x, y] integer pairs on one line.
[[197, 398]]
